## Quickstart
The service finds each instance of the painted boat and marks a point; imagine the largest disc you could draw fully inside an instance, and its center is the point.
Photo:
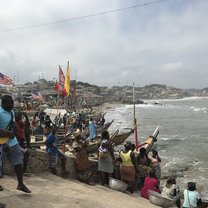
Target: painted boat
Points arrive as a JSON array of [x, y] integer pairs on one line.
[[149, 142]]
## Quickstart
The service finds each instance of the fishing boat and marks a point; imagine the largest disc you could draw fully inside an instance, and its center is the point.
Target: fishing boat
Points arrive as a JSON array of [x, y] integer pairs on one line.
[[120, 138], [100, 129], [149, 142], [116, 139]]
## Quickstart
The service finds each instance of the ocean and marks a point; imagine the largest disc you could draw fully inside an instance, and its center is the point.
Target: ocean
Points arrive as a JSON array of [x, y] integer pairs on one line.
[[183, 137]]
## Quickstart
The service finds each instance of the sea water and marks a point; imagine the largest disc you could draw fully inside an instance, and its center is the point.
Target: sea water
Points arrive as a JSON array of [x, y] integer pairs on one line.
[[183, 136]]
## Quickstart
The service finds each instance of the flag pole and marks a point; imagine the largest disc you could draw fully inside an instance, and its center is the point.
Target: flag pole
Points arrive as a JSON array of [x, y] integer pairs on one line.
[[58, 95], [57, 102], [135, 121]]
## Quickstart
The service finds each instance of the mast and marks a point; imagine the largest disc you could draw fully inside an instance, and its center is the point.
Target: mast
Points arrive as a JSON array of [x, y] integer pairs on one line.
[[135, 121]]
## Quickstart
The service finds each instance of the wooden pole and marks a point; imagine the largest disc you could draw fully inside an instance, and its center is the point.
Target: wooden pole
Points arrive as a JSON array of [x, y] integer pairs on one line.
[[135, 122]]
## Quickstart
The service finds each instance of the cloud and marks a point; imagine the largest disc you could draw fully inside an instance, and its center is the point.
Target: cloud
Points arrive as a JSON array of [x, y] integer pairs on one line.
[[172, 68], [163, 43]]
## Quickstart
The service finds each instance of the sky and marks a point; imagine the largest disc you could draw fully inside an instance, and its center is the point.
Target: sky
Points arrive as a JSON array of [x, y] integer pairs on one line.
[[151, 42]]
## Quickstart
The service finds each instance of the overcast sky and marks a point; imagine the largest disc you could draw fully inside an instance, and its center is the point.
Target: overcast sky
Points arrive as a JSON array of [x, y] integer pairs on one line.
[[160, 43]]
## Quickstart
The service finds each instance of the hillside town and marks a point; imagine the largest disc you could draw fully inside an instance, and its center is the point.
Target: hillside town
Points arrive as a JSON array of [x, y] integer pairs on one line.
[[84, 94]]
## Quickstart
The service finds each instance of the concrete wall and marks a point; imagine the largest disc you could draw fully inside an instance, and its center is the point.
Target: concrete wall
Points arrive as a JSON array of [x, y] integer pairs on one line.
[[39, 162]]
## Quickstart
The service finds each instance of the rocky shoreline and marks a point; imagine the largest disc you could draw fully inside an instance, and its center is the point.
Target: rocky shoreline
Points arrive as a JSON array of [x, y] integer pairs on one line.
[[183, 171]]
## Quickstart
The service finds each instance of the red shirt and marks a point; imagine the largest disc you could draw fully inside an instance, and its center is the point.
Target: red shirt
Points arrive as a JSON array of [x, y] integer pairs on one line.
[[149, 184], [20, 129]]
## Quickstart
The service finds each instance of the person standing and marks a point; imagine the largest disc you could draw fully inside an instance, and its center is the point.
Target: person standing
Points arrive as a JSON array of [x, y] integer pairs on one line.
[[54, 152], [92, 130], [34, 124], [105, 158], [48, 124], [155, 163], [12, 148], [20, 126], [143, 163], [128, 166]]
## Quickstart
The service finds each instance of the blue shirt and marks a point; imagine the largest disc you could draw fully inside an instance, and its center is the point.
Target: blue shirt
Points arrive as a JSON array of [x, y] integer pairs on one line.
[[5, 118], [92, 130], [190, 198], [51, 140]]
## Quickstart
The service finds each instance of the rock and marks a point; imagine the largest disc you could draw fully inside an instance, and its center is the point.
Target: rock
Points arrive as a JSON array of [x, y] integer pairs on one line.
[[179, 174]]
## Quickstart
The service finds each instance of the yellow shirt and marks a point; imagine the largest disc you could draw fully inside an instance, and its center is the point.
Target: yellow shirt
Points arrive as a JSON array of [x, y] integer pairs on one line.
[[126, 158]]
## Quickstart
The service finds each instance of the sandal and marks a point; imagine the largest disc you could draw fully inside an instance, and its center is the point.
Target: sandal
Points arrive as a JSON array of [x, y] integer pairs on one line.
[[23, 188]]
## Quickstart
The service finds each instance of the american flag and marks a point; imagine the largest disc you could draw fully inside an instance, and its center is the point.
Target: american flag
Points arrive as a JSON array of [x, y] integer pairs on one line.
[[5, 80], [36, 95]]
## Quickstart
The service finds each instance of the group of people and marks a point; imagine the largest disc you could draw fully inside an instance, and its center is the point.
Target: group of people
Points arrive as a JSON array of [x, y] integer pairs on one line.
[[42, 123], [142, 170], [137, 170]]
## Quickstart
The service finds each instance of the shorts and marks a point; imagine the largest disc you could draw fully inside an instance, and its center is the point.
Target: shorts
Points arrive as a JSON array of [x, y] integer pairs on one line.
[[15, 155]]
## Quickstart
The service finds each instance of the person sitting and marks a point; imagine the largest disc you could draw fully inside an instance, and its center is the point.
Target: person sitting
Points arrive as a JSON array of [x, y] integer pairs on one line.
[[171, 191], [54, 152], [128, 166], [151, 183], [192, 197], [155, 163]]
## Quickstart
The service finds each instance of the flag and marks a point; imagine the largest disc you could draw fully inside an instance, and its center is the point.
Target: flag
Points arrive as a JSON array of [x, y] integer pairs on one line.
[[61, 82], [5, 80], [37, 96], [67, 81], [57, 86], [61, 76]]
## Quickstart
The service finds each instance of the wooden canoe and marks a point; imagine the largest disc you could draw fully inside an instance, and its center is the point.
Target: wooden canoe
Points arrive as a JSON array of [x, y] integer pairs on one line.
[[100, 129], [120, 138], [116, 139]]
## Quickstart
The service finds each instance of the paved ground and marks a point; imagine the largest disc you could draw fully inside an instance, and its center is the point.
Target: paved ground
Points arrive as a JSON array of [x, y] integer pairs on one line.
[[49, 191]]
